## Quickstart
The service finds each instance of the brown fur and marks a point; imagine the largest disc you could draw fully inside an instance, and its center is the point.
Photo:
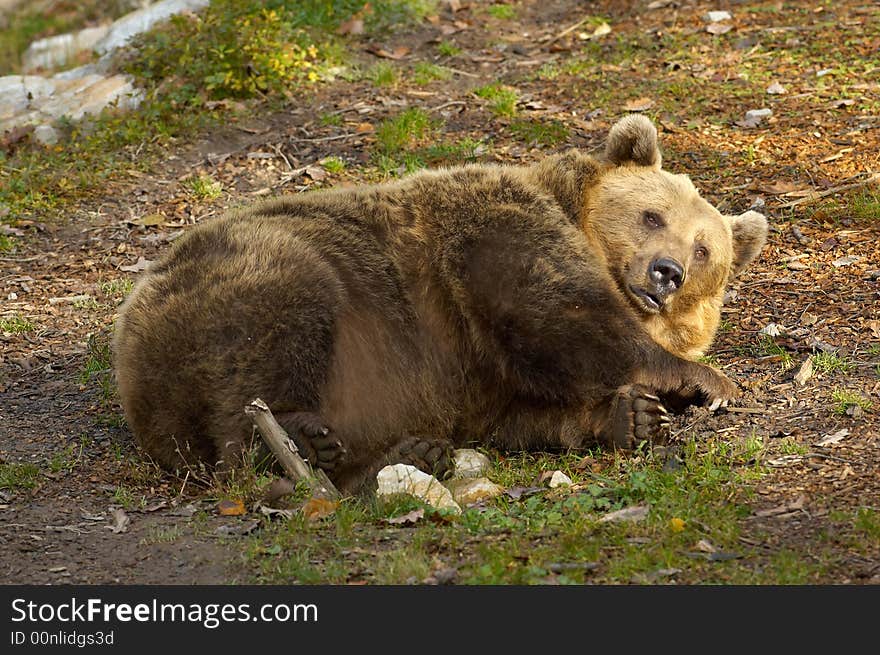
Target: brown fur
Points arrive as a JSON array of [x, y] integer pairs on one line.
[[480, 302]]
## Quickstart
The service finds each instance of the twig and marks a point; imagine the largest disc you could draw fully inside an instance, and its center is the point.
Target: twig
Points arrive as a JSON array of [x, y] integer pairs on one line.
[[20, 259], [567, 30], [286, 451], [326, 138], [461, 72], [813, 197], [451, 103]]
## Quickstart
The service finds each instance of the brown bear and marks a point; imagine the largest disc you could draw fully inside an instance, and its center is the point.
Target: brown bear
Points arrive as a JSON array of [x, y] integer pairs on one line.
[[530, 307]]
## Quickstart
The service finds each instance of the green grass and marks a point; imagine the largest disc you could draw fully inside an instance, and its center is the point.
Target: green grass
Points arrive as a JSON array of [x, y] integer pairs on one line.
[[867, 522], [503, 12], [16, 325], [331, 120], [448, 49], [333, 165], [545, 133], [865, 206], [403, 131], [203, 187], [425, 72], [767, 347], [832, 363], [453, 152], [382, 74], [16, 476], [536, 538], [502, 100], [7, 243], [844, 399], [67, 459], [118, 288]]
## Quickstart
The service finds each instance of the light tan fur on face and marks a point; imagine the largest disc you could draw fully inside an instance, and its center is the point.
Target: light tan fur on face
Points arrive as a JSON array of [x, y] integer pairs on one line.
[[613, 220]]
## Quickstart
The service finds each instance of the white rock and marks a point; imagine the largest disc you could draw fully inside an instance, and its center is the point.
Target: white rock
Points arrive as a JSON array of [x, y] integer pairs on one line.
[[405, 479], [559, 479], [776, 89], [91, 94], [718, 16], [473, 490], [470, 464], [758, 114], [142, 20], [56, 51], [46, 134], [19, 93]]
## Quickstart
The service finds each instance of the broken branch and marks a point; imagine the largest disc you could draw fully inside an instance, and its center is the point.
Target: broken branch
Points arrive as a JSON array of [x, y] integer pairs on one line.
[[286, 452]]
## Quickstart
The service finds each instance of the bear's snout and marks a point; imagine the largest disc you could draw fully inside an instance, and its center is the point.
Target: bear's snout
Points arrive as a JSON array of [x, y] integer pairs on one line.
[[666, 274]]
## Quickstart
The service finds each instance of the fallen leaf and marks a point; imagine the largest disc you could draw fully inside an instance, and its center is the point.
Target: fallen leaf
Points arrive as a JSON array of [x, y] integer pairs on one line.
[[141, 264], [398, 53], [780, 187], [120, 521], [362, 128], [718, 28], [832, 439], [772, 330], [845, 261], [776, 89], [231, 507], [639, 104], [676, 524], [704, 546], [351, 26], [805, 372], [319, 508], [518, 492], [754, 117], [874, 326], [410, 518], [631, 514], [148, 220], [316, 173]]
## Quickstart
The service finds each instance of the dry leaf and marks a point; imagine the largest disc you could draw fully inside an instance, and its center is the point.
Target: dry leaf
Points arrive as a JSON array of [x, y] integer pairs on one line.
[[363, 128], [149, 220], [718, 28], [874, 326], [120, 521], [140, 265], [805, 372], [398, 53], [351, 26], [776, 89], [231, 507], [318, 508], [639, 104], [631, 514], [832, 439], [409, 518], [316, 173], [704, 546]]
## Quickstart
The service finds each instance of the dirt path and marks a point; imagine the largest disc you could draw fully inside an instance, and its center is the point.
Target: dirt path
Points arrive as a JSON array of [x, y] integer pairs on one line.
[[819, 279]]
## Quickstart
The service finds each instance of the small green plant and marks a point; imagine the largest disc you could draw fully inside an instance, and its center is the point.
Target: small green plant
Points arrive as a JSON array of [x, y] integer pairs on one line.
[[502, 100], [831, 363], [456, 152], [333, 164], [203, 187], [7, 244], [16, 325], [382, 74], [331, 120], [67, 459], [767, 347], [503, 12], [867, 521], [789, 446], [844, 399], [545, 133], [425, 72], [162, 535], [448, 49], [118, 288], [18, 476], [127, 498], [865, 206], [404, 131]]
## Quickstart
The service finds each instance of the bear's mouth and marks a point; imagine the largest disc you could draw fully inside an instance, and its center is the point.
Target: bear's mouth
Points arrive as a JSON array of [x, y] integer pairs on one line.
[[648, 301]]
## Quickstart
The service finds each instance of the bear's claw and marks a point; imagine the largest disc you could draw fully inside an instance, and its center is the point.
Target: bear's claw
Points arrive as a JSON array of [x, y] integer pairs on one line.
[[315, 441], [432, 456], [637, 415]]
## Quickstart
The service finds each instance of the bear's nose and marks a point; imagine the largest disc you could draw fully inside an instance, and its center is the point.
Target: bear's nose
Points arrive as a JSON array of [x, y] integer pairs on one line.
[[666, 272]]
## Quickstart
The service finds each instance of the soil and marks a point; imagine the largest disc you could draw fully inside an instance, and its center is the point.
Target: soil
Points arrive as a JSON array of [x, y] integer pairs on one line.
[[818, 278]]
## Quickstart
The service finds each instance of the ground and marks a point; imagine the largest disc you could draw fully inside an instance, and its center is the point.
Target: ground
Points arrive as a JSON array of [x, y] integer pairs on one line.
[[783, 487]]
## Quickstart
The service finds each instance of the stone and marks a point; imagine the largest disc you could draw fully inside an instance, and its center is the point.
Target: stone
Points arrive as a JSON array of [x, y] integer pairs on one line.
[[46, 134], [142, 20], [57, 51], [19, 93], [468, 491], [405, 479], [469, 463], [718, 16], [559, 479]]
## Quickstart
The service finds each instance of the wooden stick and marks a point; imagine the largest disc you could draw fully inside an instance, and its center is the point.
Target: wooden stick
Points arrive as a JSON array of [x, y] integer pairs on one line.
[[818, 195], [287, 453]]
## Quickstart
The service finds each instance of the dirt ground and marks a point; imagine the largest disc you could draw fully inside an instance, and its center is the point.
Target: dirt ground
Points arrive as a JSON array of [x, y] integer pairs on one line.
[[818, 280]]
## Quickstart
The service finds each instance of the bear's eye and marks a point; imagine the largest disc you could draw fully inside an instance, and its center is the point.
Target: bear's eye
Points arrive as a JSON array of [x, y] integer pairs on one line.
[[652, 219], [701, 253]]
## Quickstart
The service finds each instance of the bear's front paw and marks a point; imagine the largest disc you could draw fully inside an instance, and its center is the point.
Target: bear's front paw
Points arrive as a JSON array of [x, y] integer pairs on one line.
[[636, 415], [715, 389], [433, 456]]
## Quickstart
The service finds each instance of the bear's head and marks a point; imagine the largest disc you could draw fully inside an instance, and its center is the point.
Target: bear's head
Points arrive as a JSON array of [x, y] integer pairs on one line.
[[670, 252]]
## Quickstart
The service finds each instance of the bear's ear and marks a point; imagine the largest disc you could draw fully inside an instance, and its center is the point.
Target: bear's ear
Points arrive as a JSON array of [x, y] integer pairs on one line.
[[633, 139], [749, 236]]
